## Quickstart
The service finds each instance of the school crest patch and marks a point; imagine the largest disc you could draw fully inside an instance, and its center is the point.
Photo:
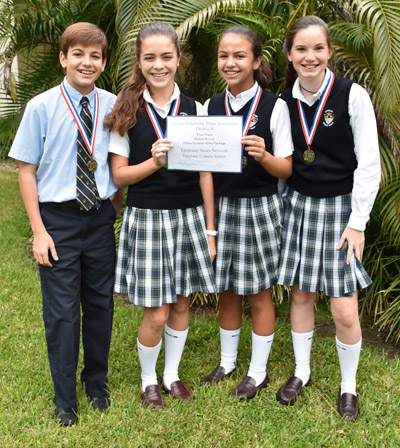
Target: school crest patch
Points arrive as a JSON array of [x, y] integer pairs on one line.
[[328, 118], [253, 122]]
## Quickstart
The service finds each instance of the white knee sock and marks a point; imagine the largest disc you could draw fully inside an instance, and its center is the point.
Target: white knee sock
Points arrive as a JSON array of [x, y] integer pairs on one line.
[[174, 345], [348, 360], [302, 352], [229, 347], [260, 350], [148, 359]]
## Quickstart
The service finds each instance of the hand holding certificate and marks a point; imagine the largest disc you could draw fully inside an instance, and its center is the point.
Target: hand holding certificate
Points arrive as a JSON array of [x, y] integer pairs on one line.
[[211, 143]]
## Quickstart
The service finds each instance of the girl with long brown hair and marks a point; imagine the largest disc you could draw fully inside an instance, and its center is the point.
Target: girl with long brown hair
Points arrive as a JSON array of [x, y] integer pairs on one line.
[[165, 250]]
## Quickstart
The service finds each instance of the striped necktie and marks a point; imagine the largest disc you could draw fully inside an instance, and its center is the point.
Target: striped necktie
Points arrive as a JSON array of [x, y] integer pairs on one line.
[[87, 195]]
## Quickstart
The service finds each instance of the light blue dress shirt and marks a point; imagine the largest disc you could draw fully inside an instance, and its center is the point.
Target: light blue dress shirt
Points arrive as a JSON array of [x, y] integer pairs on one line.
[[47, 137]]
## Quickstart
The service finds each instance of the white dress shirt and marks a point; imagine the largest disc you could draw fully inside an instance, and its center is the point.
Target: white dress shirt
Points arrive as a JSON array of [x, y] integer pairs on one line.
[[366, 148]]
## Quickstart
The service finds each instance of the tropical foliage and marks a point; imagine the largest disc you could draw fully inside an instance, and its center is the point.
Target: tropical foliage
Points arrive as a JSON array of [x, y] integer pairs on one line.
[[365, 37]]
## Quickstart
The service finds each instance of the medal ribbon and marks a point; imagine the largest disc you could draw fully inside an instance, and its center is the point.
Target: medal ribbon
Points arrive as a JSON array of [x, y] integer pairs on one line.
[[89, 142], [153, 118], [310, 133], [252, 110]]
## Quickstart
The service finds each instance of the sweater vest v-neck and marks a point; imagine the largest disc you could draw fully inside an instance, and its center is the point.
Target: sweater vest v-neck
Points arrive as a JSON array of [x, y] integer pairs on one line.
[[253, 181], [164, 189], [331, 172]]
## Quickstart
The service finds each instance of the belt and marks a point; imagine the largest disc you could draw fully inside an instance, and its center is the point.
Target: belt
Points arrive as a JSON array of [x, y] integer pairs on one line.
[[68, 204]]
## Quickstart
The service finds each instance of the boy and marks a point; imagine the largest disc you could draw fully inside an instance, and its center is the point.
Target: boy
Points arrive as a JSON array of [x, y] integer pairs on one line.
[[65, 183]]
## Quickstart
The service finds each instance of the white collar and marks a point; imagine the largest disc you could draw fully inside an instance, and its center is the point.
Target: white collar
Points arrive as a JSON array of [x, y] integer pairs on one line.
[[76, 96], [238, 101], [298, 94], [162, 111]]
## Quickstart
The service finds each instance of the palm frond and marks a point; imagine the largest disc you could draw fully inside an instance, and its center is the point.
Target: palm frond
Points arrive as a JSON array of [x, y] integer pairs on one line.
[[382, 19], [391, 212], [183, 15]]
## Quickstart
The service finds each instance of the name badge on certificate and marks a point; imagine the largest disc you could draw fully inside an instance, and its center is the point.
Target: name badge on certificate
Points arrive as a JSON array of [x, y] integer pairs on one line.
[[211, 143]]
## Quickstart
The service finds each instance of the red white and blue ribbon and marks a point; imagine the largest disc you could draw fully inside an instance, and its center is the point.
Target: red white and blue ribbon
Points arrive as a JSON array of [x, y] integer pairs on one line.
[[252, 110], [153, 118], [89, 140], [310, 133]]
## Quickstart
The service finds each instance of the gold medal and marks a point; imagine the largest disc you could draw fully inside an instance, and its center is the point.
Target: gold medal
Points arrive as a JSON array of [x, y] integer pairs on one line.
[[244, 162], [309, 155], [92, 165]]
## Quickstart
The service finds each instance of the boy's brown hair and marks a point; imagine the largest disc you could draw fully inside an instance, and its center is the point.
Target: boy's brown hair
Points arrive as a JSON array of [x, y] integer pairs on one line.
[[86, 34]]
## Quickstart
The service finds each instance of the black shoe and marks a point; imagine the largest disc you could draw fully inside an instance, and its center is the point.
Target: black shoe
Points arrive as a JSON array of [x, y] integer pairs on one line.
[[151, 397], [348, 406], [247, 389], [65, 418], [100, 404], [288, 393], [215, 376]]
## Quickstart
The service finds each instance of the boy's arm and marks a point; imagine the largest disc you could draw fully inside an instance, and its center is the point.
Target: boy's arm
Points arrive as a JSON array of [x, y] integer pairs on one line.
[[42, 241]]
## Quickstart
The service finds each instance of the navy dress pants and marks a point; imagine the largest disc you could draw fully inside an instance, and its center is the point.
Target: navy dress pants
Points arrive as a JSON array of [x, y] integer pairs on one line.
[[80, 282]]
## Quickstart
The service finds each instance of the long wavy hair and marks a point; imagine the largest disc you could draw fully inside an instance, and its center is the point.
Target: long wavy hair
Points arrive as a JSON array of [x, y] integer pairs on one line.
[[263, 74], [290, 35], [130, 99]]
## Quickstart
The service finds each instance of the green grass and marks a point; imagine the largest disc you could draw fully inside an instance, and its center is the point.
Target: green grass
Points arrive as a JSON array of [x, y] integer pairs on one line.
[[212, 418]]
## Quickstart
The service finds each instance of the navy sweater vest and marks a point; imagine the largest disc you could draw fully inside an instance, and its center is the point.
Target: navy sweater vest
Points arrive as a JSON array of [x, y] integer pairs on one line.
[[163, 189], [254, 181], [331, 172]]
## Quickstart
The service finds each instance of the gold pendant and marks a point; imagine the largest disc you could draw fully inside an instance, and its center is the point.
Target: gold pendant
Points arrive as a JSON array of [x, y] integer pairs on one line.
[[92, 165], [244, 162], [309, 155]]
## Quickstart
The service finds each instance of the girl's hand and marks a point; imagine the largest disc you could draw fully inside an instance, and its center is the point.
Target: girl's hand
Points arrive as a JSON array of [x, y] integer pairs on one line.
[[255, 146], [159, 151], [212, 247], [355, 241]]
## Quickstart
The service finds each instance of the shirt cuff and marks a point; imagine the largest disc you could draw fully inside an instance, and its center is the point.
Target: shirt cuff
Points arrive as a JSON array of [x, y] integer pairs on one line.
[[357, 222]]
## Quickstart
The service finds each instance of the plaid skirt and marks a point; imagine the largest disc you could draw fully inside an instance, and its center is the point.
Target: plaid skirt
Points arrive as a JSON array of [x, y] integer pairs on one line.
[[163, 253], [249, 233], [309, 259]]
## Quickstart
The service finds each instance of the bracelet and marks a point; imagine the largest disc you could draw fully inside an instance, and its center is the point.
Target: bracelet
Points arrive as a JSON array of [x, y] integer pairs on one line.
[[212, 232]]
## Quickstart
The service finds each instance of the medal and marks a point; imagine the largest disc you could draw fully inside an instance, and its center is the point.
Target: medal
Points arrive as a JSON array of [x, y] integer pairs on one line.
[[249, 118], [92, 165], [309, 154]]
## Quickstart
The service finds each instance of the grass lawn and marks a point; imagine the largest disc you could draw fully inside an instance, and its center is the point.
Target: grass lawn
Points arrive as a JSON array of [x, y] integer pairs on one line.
[[212, 419]]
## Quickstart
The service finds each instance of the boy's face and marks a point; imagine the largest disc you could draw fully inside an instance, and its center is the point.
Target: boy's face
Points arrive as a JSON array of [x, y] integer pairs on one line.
[[83, 65]]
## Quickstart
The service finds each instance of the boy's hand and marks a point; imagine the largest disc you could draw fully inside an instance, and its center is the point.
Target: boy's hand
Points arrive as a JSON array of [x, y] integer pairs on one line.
[[42, 244]]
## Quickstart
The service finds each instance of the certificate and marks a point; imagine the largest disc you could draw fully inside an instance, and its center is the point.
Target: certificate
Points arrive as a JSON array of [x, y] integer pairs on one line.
[[211, 143]]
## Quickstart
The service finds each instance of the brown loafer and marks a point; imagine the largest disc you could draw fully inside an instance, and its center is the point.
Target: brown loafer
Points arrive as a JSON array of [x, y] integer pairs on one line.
[[151, 397], [215, 376], [247, 389], [348, 406], [288, 393], [178, 390]]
